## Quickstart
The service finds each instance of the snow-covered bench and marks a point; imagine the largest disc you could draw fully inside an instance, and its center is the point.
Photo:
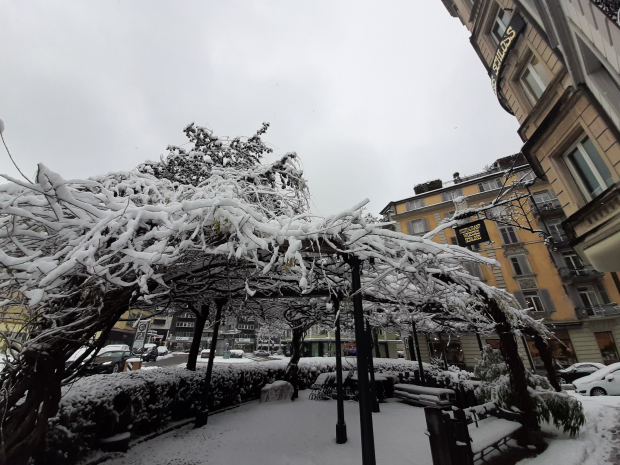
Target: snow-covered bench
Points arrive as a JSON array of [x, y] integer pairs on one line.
[[278, 390], [425, 396], [324, 387], [466, 436]]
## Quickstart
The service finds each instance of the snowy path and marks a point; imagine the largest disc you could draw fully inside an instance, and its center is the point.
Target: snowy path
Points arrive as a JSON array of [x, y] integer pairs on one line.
[[283, 433]]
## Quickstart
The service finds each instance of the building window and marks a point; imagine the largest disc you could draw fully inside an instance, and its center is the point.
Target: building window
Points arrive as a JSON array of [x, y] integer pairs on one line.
[[588, 169], [473, 269], [603, 293], [555, 229], [159, 322], [509, 235], [490, 185], [245, 326], [542, 197], [561, 349], [419, 226], [185, 324], [572, 260], [608, 348], [532, 300], [451, 195], [529, 176], [454, 240], [450, 345], [520, 265], [588, 296], [502, 20], [448, 215], [414, 204], [534, 79]]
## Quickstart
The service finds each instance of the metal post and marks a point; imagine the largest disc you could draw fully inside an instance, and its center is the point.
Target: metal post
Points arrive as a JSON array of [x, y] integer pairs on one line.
[[417, 347], [341, 426], [202, 415], [479, 342], [443, 352], [529, 355], [371, 367], [365, 403]]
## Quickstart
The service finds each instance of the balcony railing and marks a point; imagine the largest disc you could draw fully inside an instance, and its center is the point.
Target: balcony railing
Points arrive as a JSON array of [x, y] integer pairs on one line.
[[579, 274], [598, 311], [547, 207], [609, 7]]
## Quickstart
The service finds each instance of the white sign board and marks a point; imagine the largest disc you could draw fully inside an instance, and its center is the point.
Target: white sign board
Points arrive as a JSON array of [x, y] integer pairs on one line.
[[141, 332], [181, 338]]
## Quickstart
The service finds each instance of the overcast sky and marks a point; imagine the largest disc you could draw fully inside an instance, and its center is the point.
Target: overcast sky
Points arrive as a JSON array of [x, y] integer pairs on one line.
[[374, 97]]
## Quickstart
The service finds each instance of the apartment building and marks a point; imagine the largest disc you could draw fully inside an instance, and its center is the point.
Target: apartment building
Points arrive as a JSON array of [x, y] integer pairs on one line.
[[578, 303], [555, 66]]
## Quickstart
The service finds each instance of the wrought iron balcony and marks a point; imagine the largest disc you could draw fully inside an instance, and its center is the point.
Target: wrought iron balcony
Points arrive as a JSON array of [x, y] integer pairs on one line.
[[609, 7], [548, 207], [585, 273], [598, 311]]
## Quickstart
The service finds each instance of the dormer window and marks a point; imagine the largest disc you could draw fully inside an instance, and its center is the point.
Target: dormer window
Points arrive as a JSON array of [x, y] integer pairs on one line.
[[451, 195], [502, 20], [414, 204]]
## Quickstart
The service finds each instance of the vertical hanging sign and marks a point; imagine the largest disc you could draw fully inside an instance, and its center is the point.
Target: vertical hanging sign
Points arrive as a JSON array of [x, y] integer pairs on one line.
[[141, 332], [508, 40]]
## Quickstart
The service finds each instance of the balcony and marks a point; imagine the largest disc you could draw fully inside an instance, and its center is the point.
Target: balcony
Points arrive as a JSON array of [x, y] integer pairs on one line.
[[547, 208], [598, 311], [608, 7], [578, 275]]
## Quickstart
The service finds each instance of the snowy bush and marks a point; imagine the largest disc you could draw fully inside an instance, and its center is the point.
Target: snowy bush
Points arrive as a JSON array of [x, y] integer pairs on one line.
[[550, 406]]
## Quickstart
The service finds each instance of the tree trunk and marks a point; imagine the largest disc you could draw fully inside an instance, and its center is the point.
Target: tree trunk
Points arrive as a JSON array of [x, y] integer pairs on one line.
[[522, 399], [292, 370], [201, 319], [375, 342], [202, 416], [39, 379], [545, 355]]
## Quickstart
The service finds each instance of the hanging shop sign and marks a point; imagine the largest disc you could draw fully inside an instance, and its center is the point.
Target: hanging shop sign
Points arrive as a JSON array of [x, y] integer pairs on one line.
[[472, 233], [508, 40]]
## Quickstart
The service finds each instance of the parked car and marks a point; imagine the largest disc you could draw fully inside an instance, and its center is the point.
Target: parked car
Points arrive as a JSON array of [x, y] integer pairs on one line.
[[401, 353], [261, 353], [603, 382], [109, 348], [236, 353], [204, 353], [161, 350], [110, 362], [114, 348], [150, 354], [576, 371]]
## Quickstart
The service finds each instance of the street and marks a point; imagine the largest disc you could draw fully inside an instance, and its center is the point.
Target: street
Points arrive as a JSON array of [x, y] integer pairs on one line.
[[176, 359]]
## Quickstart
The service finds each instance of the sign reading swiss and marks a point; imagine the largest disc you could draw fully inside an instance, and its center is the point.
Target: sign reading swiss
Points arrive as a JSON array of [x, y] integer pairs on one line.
[[472, 233]]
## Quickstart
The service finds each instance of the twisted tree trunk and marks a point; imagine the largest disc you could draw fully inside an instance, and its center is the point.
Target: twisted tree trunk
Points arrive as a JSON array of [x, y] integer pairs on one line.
[[31, 386], [292, 370], [201, 319]]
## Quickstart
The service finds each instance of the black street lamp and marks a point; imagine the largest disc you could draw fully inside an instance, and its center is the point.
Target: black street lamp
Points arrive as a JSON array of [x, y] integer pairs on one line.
[[341, 426]]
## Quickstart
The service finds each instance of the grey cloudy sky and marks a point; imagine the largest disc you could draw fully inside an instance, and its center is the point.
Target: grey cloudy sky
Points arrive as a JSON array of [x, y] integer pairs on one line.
[[373, 96]]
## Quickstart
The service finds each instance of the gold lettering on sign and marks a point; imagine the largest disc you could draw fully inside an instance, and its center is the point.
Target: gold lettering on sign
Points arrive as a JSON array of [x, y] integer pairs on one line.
[[500, 54], [471, 233]]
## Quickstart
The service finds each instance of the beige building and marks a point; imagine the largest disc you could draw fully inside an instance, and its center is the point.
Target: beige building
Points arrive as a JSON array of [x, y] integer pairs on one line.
[[555, 65], [578, 303]]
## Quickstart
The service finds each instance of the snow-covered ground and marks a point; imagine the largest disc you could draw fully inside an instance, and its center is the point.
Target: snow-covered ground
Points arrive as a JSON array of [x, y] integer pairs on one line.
[[597, 444], [282, 433]]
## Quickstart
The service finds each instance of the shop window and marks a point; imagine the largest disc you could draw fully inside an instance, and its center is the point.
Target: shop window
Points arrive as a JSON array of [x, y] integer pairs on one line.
[[561, 350], [490, 185], [554, 226], [534, 79], [451, 195], [588, 169], [572, 260], [520, 265], [419, 226], [452, 347], [500, 24], [509, 235], [414, 204], [533, 300], [607, 346]]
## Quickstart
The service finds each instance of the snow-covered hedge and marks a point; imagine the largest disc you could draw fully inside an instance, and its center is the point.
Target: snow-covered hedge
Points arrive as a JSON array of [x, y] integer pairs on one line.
[[147, 400]]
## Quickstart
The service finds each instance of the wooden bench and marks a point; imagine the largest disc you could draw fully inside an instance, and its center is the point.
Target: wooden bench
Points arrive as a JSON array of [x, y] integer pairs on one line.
[[324, 387], [425, 396], [462, 437]]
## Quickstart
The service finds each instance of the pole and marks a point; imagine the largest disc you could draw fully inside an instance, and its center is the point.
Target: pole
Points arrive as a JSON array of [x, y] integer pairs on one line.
[[443, 352], [371, 367], [202, 415], [341, 426], [529, 355], [417, 348], [479, 342], [367, 433]]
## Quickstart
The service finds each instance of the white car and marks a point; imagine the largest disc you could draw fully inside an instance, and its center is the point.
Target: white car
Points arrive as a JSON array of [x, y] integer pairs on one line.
[[114, 348], [603, 382], [161, 350]]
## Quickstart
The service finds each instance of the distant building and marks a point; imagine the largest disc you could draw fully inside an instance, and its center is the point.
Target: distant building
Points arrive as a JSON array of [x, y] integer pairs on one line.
[[578, 303]]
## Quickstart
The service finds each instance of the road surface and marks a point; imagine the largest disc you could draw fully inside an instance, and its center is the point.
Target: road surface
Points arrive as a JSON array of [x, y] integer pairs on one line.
[[166, 362]]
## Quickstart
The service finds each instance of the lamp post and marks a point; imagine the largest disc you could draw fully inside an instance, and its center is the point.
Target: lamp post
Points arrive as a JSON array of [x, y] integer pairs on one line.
[[341, 426], [417, 347], [363, 385]]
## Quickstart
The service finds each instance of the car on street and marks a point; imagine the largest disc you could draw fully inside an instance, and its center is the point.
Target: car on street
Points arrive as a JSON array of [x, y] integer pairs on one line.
[[149, 354], [261, 353], [109, 348], [109, 362], [576, 371], [162, 350], [603, 382]]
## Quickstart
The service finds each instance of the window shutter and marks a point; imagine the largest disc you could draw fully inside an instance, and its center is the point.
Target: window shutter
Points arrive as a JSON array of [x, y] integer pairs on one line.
[[524, 264], [481, 187], [547, 300], [410, 227], [520, 298], [425, 224]]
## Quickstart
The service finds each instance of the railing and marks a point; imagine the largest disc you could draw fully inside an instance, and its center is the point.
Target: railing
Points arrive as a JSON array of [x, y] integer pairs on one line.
[[598, 311], [609, 7], [549, 205], [585, 272]]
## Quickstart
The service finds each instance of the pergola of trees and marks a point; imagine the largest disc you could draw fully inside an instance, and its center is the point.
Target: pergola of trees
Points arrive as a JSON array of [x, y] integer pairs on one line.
[[212, 224]]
